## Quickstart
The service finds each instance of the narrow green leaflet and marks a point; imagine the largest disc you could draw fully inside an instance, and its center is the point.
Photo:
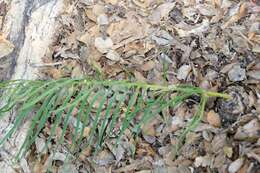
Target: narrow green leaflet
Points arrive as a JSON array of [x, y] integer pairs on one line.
[[101, 105]]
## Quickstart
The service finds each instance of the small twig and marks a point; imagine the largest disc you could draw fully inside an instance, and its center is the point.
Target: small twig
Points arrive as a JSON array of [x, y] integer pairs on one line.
[[250, 42], [46, 64]]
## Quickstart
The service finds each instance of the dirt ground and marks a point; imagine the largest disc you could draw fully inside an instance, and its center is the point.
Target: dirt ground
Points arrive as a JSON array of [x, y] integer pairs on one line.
[[213, 44]]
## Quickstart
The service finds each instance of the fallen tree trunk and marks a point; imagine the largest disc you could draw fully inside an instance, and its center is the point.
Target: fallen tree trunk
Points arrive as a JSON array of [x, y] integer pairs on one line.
[[30, 25]]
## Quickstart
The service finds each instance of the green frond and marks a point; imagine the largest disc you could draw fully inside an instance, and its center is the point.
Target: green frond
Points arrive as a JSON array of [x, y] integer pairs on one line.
[[100, 105], [193, 122]]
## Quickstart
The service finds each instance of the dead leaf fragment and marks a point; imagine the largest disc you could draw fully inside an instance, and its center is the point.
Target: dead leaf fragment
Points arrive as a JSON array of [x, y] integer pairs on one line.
[[254, 74], [77, 72], [228, 151], [249, 131], [86, 131], [177, 123], [54, 73], [236, 165], [237, 73], [197, 29], [206, 9], [113, 55], [103, 44], [142, 3], [256, 49], [103, 158], [102, 19], [139, 76], [90, 15], [213, 118], [203, 161], [241, 13], [131, 28], [113, 2], [148, 66], [183, 72], [161, 12], [6, 47], [98, 9]]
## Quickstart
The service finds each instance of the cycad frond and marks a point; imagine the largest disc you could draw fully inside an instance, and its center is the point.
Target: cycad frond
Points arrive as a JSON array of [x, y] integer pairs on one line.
[[98, 104]]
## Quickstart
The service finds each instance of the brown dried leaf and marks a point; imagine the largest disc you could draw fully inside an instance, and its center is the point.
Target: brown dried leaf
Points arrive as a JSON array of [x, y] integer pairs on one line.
[[161, 12], [143, 3], [6, 47], [197, 29], [90, 15], [113, 2], [139, 76], [77, 72], [132, 26], [213, 118], [148, 66], [241, 13]]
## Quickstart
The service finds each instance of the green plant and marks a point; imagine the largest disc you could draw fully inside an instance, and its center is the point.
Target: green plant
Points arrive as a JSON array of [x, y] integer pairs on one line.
[[98, 104]]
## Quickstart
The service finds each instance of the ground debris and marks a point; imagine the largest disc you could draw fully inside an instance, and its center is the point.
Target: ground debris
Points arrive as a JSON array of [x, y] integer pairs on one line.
[[211, 44]]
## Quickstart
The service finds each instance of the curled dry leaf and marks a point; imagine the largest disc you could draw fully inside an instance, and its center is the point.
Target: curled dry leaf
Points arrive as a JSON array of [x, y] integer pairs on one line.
[[197, 29], [90, 15], [143, 3], [213, 118]]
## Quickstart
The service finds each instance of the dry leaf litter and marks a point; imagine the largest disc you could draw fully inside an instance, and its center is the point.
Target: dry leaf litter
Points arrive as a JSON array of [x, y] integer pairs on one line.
[[213, 44]]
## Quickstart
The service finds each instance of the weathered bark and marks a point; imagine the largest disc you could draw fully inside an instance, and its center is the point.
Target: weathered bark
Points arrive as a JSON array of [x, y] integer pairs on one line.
[[30, 25]]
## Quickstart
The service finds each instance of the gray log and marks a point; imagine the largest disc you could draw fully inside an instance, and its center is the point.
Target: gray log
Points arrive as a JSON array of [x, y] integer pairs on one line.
[[30, 25]]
